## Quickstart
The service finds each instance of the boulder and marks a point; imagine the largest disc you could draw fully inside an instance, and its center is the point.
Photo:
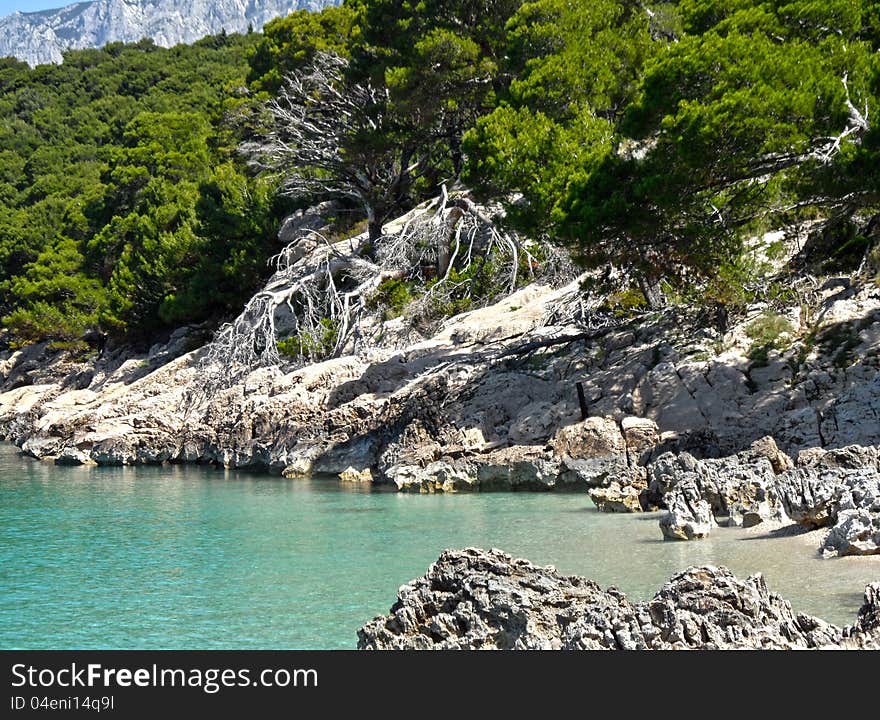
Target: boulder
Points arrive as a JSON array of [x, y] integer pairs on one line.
[[592, 452], [595, 437], [619, 498], [353, 475], [688, 516], [437, 477]]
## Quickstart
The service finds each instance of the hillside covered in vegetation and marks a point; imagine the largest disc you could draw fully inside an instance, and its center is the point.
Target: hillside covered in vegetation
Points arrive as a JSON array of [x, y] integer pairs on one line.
[[141, 188]]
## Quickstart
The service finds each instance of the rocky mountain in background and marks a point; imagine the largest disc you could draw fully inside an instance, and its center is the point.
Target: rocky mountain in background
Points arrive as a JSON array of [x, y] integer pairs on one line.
[[42, 37]]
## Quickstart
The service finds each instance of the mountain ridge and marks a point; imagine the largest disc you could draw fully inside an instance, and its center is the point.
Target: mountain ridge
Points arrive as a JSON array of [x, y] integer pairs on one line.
[[43, 36]]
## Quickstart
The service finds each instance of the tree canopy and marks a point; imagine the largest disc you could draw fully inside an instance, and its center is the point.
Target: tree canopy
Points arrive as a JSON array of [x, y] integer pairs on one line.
[[754, 112], [111, 168], [648, 137]]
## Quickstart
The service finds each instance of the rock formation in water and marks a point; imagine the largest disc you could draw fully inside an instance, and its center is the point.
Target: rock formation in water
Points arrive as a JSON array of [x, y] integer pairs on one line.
[[42, 37], [477, 599]]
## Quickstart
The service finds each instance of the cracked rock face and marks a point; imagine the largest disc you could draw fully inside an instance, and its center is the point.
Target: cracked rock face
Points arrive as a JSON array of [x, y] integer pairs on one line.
[[846, 500], [478, 599], [688, 515]]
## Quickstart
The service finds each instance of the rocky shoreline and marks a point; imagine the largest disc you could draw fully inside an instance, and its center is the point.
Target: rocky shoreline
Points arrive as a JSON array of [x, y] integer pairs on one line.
[[682, 414], [477, 599]]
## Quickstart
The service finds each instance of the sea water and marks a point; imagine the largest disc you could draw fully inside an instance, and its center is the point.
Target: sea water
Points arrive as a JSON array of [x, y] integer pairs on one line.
[[195, 558]]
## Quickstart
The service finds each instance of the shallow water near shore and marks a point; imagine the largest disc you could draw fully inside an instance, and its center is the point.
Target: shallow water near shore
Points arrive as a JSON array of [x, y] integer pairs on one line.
[[190, 557]]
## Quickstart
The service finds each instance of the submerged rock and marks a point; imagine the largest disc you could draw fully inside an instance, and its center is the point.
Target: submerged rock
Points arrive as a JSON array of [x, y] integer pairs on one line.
[[353, 475], [478, 599]]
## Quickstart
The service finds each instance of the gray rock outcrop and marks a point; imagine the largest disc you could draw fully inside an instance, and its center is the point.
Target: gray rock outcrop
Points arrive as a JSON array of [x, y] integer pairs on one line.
[[688, 515], [845, 499], [740, 490], [477, 599], [490, 395]]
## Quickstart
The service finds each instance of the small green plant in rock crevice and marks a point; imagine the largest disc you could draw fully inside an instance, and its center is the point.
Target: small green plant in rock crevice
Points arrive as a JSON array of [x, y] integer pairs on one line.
[[394, 295], [625, 304], [770, 331], [313, 345]]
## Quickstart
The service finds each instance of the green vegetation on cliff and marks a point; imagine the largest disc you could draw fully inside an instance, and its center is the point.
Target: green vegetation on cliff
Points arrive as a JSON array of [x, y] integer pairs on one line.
[[652, 137]]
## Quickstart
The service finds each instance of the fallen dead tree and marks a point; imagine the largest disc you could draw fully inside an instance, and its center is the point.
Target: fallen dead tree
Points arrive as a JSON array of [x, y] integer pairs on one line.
[[321, 301]]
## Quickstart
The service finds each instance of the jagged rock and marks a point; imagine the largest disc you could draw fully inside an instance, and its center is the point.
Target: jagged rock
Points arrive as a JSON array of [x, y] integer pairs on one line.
[[740, 489], [754, 505], [811, 496], [620, 497], [710, 608], [766, 447], [857, 532], [866, 631], [337, 457], [478, 599], [847, 500], [852, 457], [115, 451], [688, 516], [667, 470]]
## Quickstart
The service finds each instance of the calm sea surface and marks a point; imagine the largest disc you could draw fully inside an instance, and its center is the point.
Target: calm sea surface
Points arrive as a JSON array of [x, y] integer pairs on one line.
[[187, 557]]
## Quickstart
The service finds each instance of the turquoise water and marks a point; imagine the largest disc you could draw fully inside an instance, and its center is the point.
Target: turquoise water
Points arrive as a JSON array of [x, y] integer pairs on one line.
[[192, 557]]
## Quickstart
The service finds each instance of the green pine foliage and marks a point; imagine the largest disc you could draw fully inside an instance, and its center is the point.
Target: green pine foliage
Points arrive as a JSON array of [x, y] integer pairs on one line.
[[123, 209], [289, 43], [656, 141]]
